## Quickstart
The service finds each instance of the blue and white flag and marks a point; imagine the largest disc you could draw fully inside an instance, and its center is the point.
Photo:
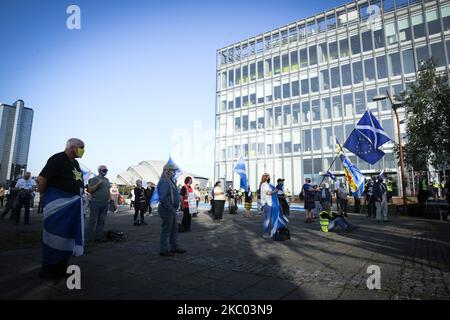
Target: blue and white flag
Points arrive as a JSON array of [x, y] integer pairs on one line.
[[155, 198], [87, 174], [330, 175], [279, 220], [353, 175], [240, 170], [381, 175], [63, 233], [366, 138]]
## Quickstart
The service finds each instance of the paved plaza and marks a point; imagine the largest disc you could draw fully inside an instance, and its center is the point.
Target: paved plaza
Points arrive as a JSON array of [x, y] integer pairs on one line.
[[230, 260]]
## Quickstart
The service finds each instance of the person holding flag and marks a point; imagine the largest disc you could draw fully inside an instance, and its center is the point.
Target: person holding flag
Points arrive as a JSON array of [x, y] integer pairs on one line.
[[60, 184]]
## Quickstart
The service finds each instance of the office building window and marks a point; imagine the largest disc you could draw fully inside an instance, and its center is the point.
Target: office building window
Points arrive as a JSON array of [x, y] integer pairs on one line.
[[445, 12], [335, 81], [328, 139], [287, 147], [269, 149], [294, 60], [372, 105], [315, 110], [438, 53], [287, 115], [253, 125], [360, 102], [307, 168], [422, 55], [337, 107], [369, 69], [324, 80], [276, 65], [317, 139], [230, 105], [356, 46], [296, 113], [331, 22], [305, 86], [408, 61], [244, 123], [277, 93], [237, 124], [357, 72], [378, 37], [418, 25], [333, 50], [346, 75], [245, 74], [388, 5], [303, 58], [339, 133], [252, 71], [306, 113], [268, 67], [434, 25], [286, 90], [395, 66], [306, 140], [343, 48], [269, 118], [245, 101], [230, 78], [260, 69], [348, 105], [261, 123], [391, 33], [253, 99], [295, 88], [315, 84], [238, 76], [260, 149], [404, 31], [388, 126], [382, 67], [277, 116], [237, 102], [384, 103], [311, 28], [312, 55], [326, 108], [367, 41], [323, 52], [285, 62]]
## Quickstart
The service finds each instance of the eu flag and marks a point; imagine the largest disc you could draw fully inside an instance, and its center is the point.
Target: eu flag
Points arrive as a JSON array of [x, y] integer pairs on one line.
[[362, 147]]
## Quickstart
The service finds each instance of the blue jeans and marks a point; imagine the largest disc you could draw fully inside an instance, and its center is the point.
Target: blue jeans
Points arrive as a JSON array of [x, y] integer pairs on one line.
[[267, 215], [97, 218], [341, 222], [169, 230]]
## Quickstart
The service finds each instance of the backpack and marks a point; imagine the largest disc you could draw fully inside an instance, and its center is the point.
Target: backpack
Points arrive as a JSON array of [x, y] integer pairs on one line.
[[301, 195], [115, 235], [282, 234]]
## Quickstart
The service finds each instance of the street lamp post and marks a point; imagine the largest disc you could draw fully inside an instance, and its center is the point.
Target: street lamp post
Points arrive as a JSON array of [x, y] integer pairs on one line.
[[395, 105]]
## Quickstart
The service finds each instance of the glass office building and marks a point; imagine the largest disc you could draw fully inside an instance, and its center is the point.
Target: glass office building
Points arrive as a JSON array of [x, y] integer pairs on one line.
[[15, 133], [284, 95]]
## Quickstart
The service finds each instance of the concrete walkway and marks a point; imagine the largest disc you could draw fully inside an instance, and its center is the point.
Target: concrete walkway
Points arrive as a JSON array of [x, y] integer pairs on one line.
[[230, 260]]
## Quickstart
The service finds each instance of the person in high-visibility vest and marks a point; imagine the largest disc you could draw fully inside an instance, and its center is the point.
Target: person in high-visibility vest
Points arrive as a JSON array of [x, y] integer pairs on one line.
[[423, 189], [329, 220], [390, 189], [436, 188]]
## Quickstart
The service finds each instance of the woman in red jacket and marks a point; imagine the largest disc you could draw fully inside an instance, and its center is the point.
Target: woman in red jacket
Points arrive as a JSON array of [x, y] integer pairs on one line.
[[188, 204]]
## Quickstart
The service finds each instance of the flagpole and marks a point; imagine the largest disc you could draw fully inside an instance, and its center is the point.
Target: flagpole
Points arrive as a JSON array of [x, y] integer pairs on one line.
[[334, 160]]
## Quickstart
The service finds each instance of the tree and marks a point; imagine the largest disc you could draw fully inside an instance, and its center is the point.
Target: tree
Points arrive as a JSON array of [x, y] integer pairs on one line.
[[427, 104]]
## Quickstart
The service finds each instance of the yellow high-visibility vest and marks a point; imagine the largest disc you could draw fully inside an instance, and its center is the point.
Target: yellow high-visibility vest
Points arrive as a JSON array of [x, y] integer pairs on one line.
[[324, 222], [389, 186], [436, 184]]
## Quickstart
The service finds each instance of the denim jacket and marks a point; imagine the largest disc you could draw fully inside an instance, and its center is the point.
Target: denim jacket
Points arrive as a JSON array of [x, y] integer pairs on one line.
[[166, 202]]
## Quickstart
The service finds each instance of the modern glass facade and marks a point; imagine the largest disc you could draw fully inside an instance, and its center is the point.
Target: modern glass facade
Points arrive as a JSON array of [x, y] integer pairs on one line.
[[15, 133], [284, 95]]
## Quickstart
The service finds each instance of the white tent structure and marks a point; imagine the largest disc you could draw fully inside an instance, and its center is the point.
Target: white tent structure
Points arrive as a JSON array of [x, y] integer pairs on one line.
[[150, 171]]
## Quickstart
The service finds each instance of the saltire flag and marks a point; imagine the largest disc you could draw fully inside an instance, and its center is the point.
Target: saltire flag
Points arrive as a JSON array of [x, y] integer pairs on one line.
[[155, 198], [366, 138], [240, 170], [330, 175], [63, 233], [279, 220], [353, 176]]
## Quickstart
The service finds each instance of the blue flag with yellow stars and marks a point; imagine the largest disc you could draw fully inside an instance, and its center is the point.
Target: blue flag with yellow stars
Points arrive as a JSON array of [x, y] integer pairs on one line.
[[362, 147]]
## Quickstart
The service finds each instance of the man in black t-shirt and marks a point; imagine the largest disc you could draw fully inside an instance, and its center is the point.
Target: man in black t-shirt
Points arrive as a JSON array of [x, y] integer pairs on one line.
[[61, 180]]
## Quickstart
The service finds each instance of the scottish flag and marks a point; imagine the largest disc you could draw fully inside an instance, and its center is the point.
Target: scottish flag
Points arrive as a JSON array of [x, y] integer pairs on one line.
[[366, 138], [278, 219], [240, 170], [354, 177], [155, 198], [63, 232]]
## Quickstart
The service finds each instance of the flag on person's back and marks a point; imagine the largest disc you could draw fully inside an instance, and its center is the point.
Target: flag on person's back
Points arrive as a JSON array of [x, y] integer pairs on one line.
[[63, 233], [155, 198], [240, 170], [354, 177], [366, 138], [279, 220]]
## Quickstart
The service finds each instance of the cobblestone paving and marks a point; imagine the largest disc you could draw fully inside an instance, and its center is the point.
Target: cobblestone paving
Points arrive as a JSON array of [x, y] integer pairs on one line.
[[230, 260]]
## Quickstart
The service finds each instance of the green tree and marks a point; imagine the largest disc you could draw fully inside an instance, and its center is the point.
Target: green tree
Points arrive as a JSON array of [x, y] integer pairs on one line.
[[427, 104]]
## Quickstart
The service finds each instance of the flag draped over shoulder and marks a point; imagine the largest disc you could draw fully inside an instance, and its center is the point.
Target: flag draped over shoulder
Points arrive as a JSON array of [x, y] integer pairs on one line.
[[240, 170], [278, 218], [353, 176], [63, 226], [366, 138], [155, 198]]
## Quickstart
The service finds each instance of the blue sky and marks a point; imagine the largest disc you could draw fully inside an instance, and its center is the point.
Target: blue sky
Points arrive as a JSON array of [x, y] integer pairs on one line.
[[137, 82]]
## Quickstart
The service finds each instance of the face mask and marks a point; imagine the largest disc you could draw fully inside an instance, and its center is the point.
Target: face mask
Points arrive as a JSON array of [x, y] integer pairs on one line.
[[103, 173], [80, 152], [268, 180]]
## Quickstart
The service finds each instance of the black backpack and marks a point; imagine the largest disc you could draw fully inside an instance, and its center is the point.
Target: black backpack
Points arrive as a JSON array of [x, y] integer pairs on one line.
[[115, 235], [282, 234]]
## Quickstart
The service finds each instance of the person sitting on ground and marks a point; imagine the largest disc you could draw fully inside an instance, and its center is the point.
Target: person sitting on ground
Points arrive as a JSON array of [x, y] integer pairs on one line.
[[329, 220]]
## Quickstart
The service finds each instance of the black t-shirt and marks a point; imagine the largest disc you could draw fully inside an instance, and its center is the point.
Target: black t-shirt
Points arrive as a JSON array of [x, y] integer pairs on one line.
[[63, 174]]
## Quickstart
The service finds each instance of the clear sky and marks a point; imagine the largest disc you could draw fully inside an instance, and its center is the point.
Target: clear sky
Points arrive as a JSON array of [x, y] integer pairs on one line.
[[137, 82]]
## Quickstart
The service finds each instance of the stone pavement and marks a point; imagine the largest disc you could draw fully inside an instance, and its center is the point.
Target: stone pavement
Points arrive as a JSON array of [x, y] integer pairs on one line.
[[230, 260]]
